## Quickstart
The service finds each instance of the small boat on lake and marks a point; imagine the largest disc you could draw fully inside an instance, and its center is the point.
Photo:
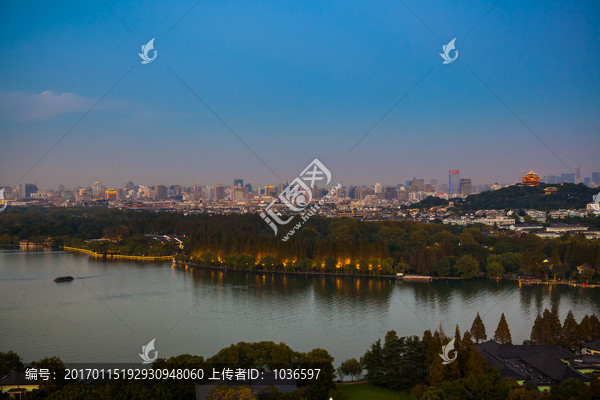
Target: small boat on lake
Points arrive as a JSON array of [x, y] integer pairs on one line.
[[64, 279]]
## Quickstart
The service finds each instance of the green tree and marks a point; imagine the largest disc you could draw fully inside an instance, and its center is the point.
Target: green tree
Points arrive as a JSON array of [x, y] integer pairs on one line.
[[502, 334], [488, 386], [553, 323], [321, 387], [467, 267], [57, 370], [474, 363], [351, 367], [571, 389], [569, 335], [223, 392], [10, 361], [538, 334], [478, 329], [494, 270], [443, 267], [585, 329], [372, 362]]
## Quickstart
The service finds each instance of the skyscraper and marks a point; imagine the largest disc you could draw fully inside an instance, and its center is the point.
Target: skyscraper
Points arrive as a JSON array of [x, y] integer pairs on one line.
[[97, 188], [465, 187], [454, 182], [160, 192], [568, 177], [219, 192], [30, 188], [390, 193], [238, 182]]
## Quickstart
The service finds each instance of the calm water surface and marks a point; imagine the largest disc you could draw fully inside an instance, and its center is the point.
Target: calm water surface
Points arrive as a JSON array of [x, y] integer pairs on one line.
[[116, 307]]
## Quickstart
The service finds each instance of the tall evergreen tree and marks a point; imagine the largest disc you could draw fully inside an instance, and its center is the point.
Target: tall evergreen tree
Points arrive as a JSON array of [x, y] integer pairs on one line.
[[392, 360], [502, 334], [474, 362], [373, 363], [595, 326], [436, 371], [570, 337], [554, 322], [537, 331], [478, 330], [585, 329], [555, 254]]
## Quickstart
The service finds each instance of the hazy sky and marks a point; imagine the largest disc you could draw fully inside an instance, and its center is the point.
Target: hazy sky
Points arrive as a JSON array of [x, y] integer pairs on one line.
[[294, 81]]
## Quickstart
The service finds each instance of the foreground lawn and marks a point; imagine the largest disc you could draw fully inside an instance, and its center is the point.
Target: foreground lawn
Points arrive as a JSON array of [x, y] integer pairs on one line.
[[369, 391]]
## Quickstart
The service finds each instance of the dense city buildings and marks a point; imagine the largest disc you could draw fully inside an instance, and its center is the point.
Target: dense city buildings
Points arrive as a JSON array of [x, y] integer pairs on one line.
[[376, 201]]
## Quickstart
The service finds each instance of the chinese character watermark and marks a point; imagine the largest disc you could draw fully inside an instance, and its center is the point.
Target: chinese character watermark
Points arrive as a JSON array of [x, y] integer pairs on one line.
[[298, 195]]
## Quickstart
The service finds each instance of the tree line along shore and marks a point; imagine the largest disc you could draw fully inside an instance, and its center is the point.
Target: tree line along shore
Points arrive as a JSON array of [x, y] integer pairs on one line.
[[330, 245]]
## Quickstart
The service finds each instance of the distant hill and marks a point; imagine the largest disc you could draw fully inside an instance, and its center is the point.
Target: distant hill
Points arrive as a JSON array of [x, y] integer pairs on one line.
[[428, 202], [567, 195]]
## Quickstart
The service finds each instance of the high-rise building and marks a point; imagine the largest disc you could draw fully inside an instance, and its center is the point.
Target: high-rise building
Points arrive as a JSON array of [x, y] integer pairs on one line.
[[160, 192], [417, 185], [97, 189], [30, 189], [237, 194], [378, 188], [270, 190], [578, 174], [249, 187], [208, 193], [238, 182], [465, 187], [402, 193], [596, 178], [567, 177], [219, 192], [390, 193], [454, 181], [110, 194]]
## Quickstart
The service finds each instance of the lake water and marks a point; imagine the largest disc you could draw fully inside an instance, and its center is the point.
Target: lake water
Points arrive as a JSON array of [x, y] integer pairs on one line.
[[115, 307]]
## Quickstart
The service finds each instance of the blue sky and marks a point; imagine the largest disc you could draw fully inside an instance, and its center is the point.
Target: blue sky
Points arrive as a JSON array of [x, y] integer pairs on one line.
[[295, 81]]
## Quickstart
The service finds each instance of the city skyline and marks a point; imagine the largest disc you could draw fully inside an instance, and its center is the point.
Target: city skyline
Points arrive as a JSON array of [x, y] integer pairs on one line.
[[592, 178], [293, 83]]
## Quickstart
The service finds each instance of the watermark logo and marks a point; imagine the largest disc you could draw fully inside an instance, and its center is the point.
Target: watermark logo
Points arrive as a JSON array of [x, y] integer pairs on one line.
[[145, 355], [146, 48], [3, 204], [445, 355], [447, 48], [298, 195]]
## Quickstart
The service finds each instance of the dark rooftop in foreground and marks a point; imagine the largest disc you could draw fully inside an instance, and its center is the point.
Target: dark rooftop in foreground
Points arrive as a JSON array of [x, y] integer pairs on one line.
[[536, 364]]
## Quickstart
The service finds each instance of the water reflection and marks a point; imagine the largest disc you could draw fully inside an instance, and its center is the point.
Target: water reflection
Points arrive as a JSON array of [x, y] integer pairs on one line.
[[211, 308]]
